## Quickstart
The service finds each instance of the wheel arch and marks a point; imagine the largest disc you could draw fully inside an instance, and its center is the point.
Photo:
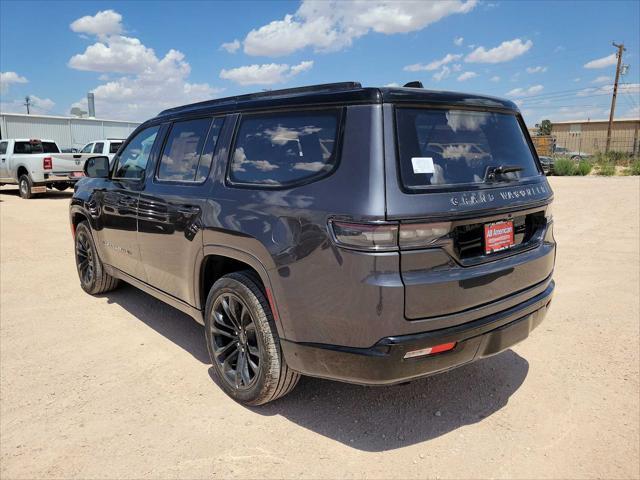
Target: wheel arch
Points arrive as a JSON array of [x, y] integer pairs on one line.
[[220, 260]]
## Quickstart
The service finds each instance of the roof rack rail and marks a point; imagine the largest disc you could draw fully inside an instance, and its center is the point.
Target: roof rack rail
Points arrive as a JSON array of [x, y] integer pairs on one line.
[[320, 88]]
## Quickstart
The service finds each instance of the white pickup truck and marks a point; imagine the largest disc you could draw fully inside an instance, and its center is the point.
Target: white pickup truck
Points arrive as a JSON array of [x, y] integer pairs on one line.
[[35, 164], [107, 147]]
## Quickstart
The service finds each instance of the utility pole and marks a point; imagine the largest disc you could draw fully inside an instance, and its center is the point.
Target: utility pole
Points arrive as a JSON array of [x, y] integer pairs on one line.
[[27, 103], [615, 92]]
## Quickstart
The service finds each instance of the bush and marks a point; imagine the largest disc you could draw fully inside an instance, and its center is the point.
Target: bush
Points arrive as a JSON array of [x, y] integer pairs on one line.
[[606, 169], [564, 166], [634, 169], [583, 168]]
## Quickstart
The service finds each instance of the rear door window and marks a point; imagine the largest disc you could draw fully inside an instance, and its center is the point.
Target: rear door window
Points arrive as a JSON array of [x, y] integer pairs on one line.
[[440, 147], [113, 147], [98, 147], [282, 149], [189, 150], [3, 148]]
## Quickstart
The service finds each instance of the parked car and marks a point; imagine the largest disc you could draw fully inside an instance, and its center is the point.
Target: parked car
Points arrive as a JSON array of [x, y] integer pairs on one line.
[[35, 164], [572, 154], [547, 164], [107, 147], [311, 234]]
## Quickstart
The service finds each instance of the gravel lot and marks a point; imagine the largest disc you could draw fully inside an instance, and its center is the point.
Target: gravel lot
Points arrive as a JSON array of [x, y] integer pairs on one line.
[[119, 386]]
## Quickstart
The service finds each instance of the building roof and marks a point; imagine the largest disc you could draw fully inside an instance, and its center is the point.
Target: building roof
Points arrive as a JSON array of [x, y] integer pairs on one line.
[[70, 117], [606, 120], [339, 94]]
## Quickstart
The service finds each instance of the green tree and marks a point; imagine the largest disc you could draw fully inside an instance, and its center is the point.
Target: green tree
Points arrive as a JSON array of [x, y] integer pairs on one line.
[[544, 127]]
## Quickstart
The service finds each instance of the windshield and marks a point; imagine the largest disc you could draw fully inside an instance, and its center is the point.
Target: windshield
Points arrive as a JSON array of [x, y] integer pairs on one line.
[[451, 147], [35, 147]]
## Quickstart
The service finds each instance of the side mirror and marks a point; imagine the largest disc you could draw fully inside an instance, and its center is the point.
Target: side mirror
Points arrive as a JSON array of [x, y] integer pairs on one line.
[[97, 167]]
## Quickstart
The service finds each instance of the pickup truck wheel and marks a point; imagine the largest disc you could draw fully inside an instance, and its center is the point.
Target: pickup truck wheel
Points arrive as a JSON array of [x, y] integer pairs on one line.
[[93, 278], [24, 186], [243, 342]]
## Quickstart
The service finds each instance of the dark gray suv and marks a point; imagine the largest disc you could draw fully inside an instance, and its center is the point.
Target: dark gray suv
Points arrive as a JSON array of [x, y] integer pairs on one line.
[[368, 235]]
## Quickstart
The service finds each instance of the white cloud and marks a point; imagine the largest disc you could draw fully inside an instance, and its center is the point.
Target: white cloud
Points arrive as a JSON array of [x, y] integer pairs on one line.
[[442, 74], [602, 62], [333, 25], [106, 22], [392, 84], [537, 69], [577, 79], [7, 78], [435, 65], [149, 84], [495, 78], [37, 105], [602, 79], [504, 52], [231, 47], [266, 74], [525, 92], [467, 76], [458, 41]]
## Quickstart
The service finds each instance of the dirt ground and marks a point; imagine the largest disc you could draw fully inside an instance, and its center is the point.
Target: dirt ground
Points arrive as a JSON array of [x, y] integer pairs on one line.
[[118, 386]]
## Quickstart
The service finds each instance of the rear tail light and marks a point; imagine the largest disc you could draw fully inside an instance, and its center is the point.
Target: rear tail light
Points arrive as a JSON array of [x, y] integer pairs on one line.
[[47, 163], [422, 235], [366, 236], [443, 347], [548, 213]]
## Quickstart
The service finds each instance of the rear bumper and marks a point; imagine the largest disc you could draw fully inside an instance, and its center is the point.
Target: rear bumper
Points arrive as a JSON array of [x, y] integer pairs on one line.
[[66, 177], [384, 363]]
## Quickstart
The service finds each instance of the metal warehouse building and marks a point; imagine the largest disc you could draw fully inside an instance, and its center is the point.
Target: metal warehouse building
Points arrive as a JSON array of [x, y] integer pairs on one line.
[[65, 131], [590, 136]]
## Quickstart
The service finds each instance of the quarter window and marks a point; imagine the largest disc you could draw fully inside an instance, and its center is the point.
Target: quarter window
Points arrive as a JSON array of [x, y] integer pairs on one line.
[[285, 148], [189, 150], [133, 159]]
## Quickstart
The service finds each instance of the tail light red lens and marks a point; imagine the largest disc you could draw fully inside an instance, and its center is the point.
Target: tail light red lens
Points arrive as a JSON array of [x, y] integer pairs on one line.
[[422, 235], [47, 163], [366, 236]]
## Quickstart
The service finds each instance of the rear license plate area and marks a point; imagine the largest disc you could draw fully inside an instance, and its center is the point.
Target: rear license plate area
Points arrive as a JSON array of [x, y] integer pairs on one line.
[[498, 236]]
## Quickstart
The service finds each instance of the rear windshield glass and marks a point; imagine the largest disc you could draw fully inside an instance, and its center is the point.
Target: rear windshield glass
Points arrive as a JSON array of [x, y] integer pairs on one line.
[[35, 147], [452, 147]]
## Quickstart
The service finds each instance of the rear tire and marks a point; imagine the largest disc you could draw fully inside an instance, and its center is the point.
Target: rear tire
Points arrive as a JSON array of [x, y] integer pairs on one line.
[[93, 278], [24, 186], [243, 342]]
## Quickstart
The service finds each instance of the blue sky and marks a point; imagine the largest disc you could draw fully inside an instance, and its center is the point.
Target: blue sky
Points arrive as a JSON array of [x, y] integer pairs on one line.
[[138, 57]]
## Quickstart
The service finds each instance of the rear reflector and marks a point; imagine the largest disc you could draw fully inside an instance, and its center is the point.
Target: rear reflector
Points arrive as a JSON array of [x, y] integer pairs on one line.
[[443, 347], [47, 163]]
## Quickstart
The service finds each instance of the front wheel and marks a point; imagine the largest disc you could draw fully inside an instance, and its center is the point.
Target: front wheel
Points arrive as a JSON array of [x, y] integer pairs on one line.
[[93, 278], [243, 342]]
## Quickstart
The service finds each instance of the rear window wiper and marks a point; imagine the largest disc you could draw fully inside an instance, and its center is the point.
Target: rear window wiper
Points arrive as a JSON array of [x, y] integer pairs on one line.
[[493, 173]]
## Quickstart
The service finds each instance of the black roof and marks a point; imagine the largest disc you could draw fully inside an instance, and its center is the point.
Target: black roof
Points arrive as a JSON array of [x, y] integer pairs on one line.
[[338, 94]]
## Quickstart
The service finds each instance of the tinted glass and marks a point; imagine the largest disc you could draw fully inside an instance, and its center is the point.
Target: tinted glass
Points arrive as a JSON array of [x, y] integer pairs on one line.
[[281, 149], [181, 154], [3, 148], [207, 155], [98, 147], [446, 147], [35, 147], [113, 148], [87, 148], [133, 159]]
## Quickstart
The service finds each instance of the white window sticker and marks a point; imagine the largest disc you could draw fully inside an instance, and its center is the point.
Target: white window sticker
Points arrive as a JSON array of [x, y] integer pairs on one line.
[[422, 164]]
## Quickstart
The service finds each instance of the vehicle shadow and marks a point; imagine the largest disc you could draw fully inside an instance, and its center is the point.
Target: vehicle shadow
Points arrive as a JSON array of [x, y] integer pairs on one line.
[[376, 419], [372, 419], [50, 194], [176, 326]]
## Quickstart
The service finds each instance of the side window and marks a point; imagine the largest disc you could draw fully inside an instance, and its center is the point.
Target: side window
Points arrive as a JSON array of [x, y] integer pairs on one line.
[[189, 150], [284, 148], [3, 148], [114, 146], [87, 148], [98, 147], [132, 161]]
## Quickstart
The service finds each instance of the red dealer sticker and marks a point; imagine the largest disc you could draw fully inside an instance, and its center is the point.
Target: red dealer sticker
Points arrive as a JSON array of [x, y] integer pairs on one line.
[[498, 236]]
